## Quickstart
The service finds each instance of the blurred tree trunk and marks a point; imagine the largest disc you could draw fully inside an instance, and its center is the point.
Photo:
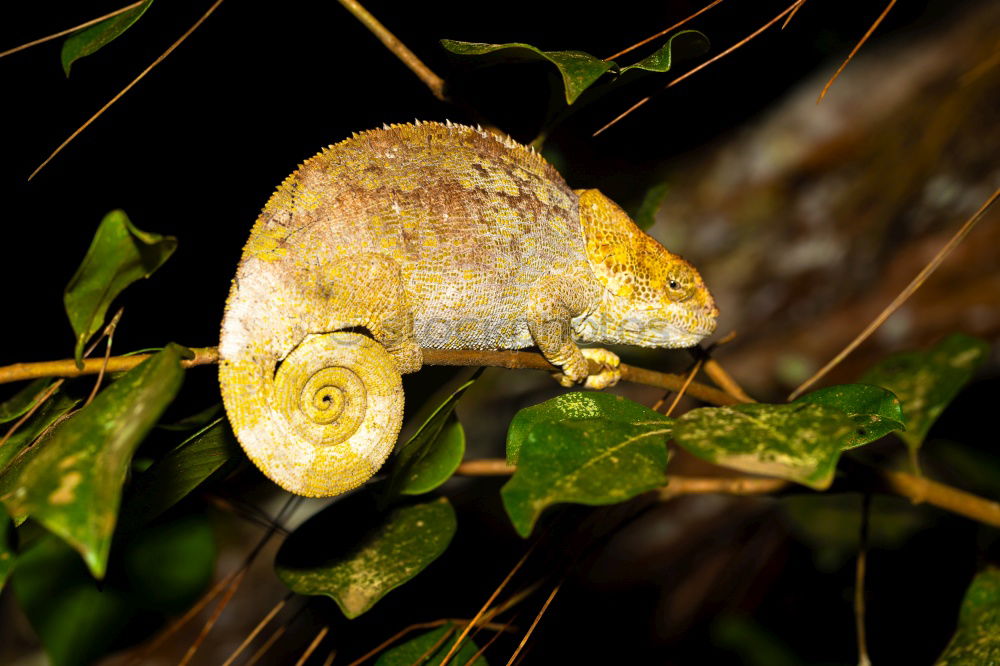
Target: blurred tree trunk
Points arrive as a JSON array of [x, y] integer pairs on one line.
[[811, 219]]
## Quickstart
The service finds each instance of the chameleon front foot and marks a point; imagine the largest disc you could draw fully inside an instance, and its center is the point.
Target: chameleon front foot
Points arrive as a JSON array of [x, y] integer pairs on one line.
[[608, 375]]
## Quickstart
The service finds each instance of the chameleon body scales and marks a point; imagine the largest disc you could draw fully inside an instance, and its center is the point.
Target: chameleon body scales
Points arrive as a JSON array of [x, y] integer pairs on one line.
[[425, 236]]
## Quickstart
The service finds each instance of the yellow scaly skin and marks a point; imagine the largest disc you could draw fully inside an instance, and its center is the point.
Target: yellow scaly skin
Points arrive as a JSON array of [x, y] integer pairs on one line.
[[426, 236]]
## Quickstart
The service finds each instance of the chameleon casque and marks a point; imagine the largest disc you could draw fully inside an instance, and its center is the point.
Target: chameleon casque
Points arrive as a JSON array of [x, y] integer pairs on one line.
[[436, 236]]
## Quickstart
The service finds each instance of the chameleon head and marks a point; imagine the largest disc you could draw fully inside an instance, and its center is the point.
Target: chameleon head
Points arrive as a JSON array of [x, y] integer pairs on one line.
[[652, 298]]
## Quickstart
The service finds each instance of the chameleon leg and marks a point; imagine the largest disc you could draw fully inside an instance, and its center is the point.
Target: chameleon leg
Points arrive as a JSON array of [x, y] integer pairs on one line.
[[371, 286], [549, 318]]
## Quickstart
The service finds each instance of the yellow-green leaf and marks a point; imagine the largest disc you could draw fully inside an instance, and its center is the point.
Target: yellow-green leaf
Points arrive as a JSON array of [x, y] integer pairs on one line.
[[72, 481], [977, 640], [578, 70], [875, 411], [800, 442], [926, 381], [584, 448], [119, 255], [692, 42], [92, 39], [356, 554]]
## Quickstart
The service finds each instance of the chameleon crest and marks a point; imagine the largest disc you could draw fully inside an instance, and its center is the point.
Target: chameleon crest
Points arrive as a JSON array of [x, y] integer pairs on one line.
[[433, 236]]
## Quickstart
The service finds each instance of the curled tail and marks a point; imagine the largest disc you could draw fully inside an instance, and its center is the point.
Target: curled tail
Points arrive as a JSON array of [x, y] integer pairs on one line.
[[319, 420]]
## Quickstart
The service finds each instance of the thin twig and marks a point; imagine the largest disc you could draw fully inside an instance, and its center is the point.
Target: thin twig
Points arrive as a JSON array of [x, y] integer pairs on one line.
[[789, 18], [487, 644], [140, 658], [534, 624], [312, 646], [702, 65], [256, 630], [31, 412], [67, 31], [859, 582], [857, 47], [684, 387], [237, 579], [109, 331], [433, 82], [663, 32], [725, 381], [897, 302], [485, 607], [423, 625], [435, 646], [502, 359], [55, 386], [214, 617], [256, 656], [127, 88]]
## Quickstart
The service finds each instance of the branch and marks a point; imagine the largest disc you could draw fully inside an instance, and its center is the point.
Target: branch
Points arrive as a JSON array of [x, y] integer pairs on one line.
[[434, 82], [502, 359], [915, 488], [92, 366]]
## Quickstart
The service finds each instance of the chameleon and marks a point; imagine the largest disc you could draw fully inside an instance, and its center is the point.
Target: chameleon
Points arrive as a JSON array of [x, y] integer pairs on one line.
[[426, 235]]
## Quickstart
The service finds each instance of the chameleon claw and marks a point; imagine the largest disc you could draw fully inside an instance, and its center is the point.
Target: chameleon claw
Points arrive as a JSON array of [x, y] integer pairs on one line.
[[609, 374]]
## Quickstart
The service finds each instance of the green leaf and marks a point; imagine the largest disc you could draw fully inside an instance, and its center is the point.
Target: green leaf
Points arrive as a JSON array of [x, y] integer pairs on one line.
[[92, 39], [179, 472], [575, 406], [585, 448], [23, 400], [693, 43], [161, 571], [168, 565], [977, 639], [51, 411], [440, 462], [926, 381], [578, 70], [73, 484], [424, 444], [8, 552], [119, 255], [76, 621], [355, 554], [875, 411], [800, 442], [430, 649], [651, 202]]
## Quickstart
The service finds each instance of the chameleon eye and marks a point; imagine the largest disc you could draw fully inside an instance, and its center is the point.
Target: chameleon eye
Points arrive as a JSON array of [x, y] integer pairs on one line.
[[673, 284]]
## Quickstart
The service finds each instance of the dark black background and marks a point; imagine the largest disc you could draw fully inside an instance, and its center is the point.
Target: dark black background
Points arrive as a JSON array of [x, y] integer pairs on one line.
[[195, 149]]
